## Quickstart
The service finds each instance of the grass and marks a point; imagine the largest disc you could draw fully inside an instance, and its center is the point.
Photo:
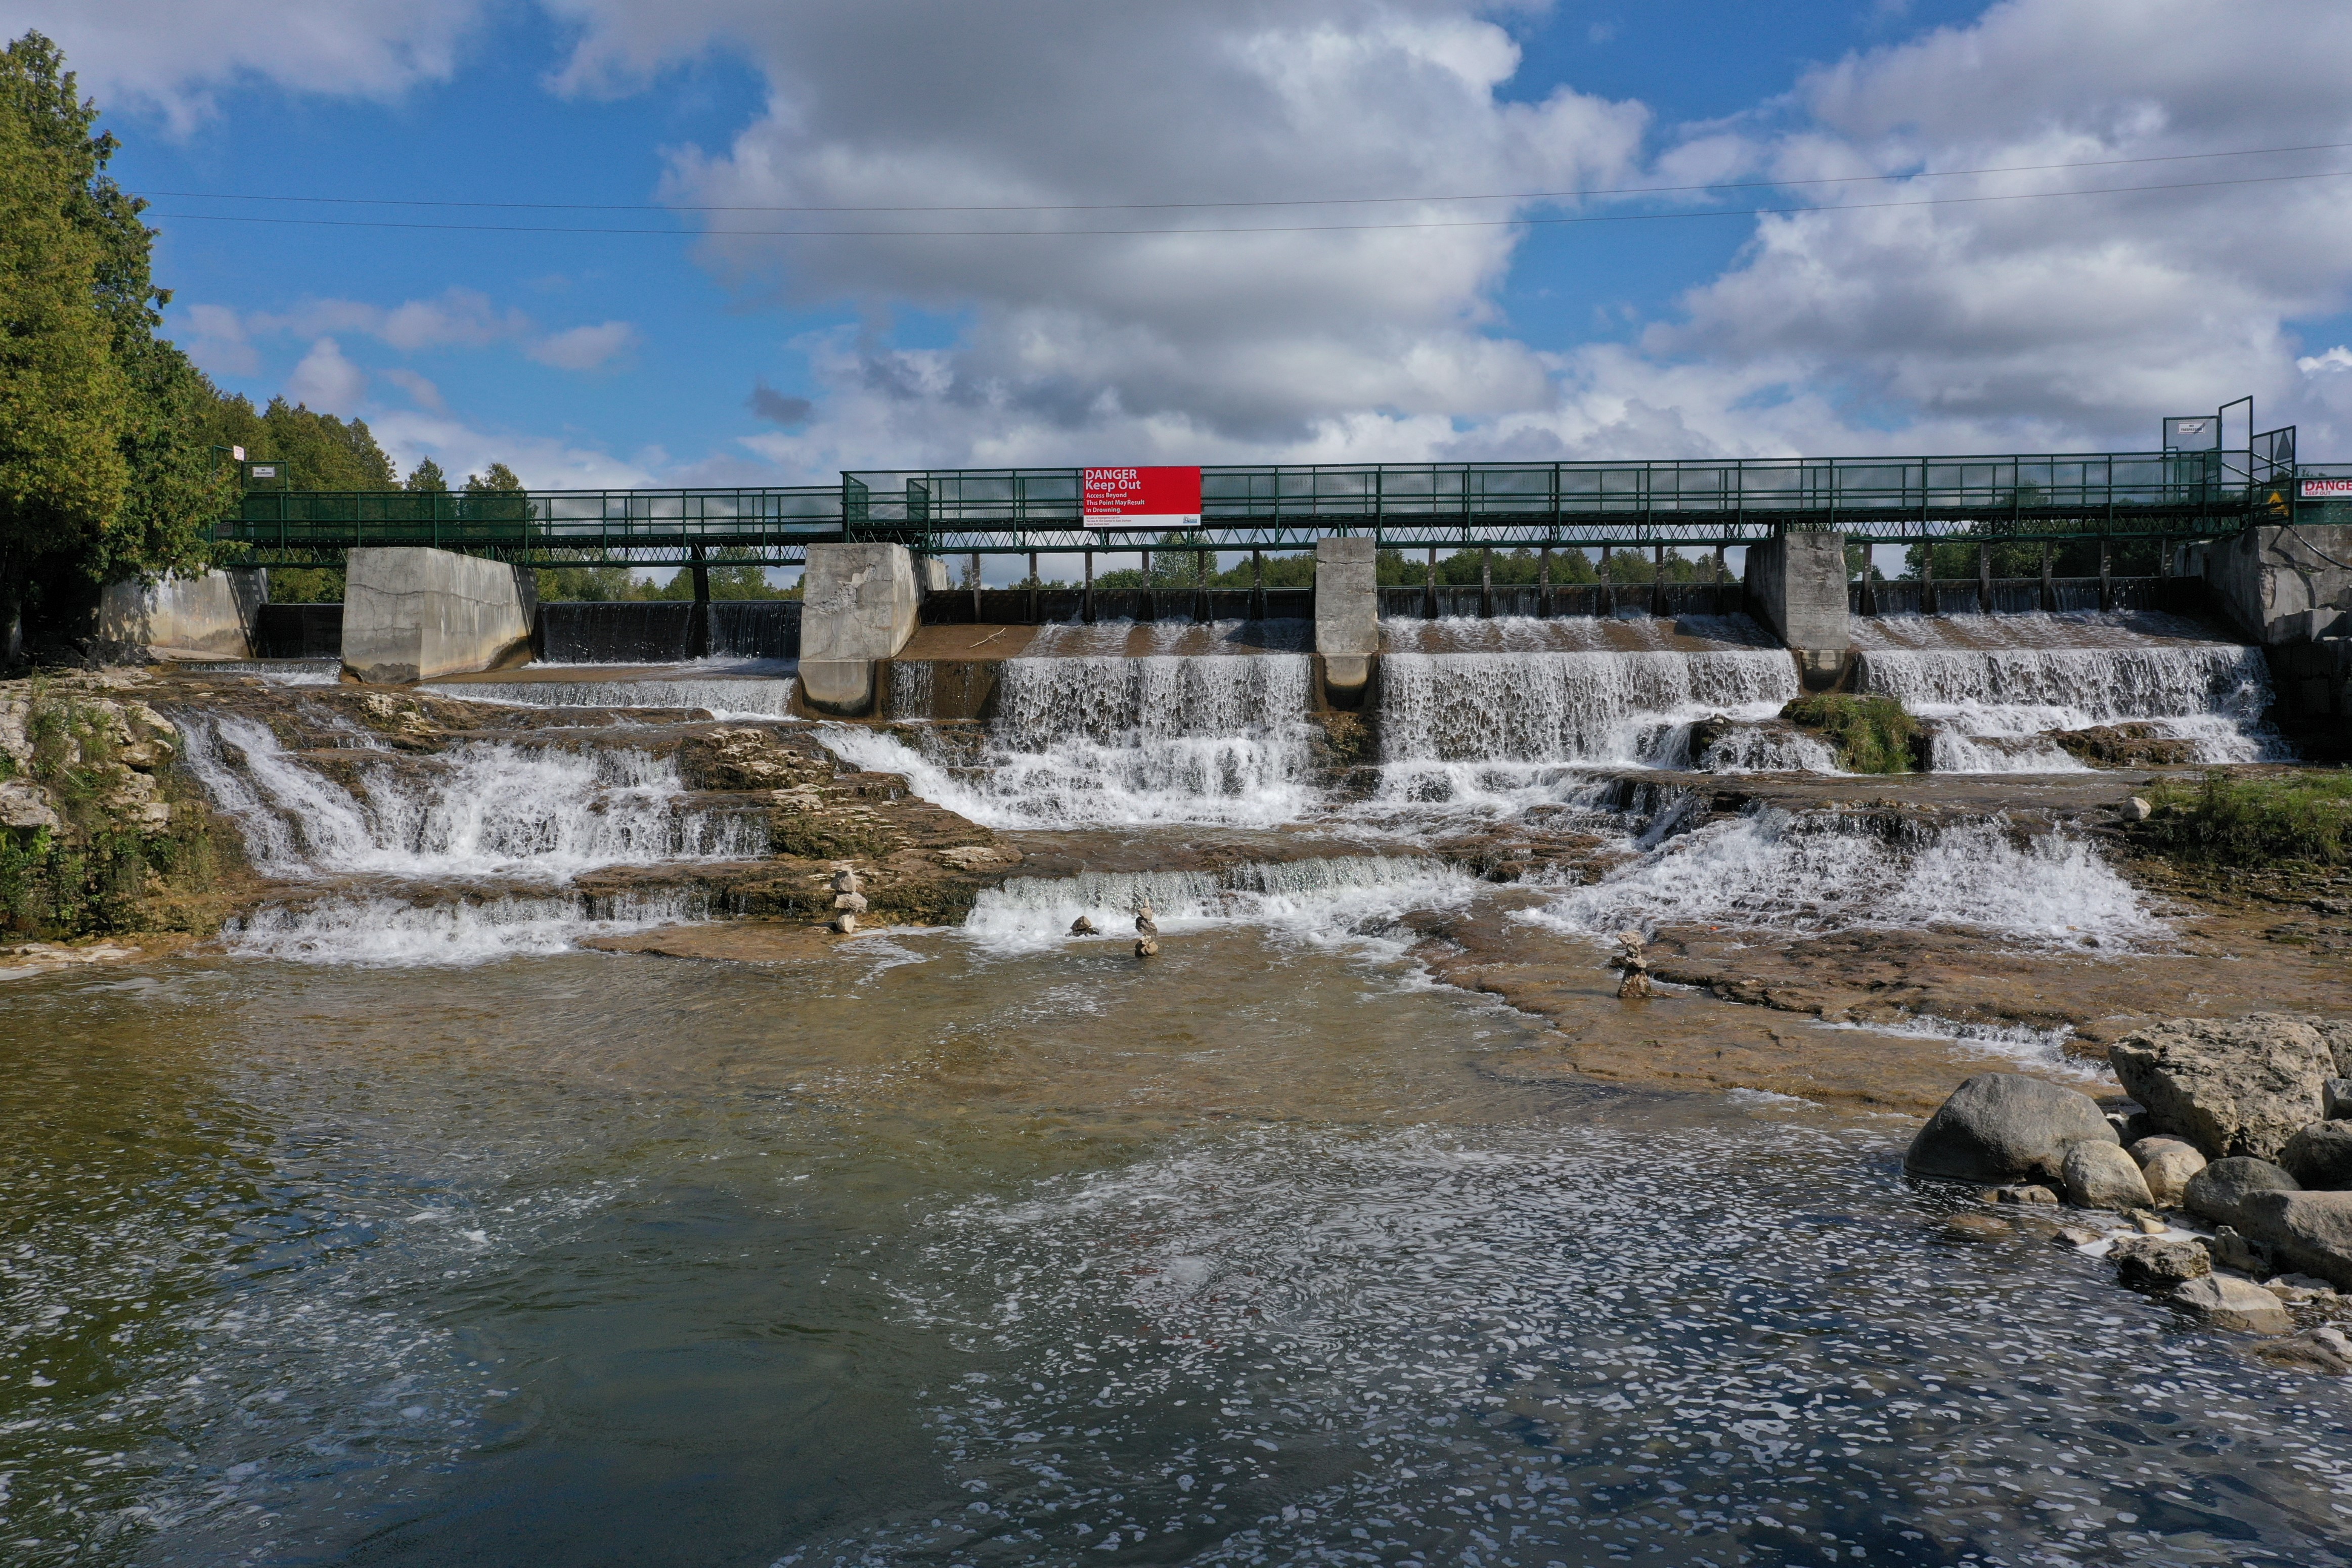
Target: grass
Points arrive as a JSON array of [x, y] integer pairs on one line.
[[2295, 819], [1870, 735]]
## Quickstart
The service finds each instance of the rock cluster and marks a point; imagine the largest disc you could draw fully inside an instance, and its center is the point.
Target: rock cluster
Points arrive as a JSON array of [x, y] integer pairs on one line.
[[1629, 958], [2245, 1124], [848, 901]]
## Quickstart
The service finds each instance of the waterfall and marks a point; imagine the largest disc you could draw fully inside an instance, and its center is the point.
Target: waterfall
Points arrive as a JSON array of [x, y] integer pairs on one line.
[[736, 695], [1772, 869], [1321, 899], [1492, 731], [386, 933], [1107, 740], [537, 813], [1990, 685]]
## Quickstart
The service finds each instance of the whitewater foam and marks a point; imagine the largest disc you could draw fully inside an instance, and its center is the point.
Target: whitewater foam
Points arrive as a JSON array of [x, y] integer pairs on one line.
[[1317, 900], [481, 810], [729, 690], [389, 933], [1773, 870]]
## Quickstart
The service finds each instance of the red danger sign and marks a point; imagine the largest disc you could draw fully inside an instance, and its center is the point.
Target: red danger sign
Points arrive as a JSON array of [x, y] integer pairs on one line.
[[2313, 490], [1159, 497]]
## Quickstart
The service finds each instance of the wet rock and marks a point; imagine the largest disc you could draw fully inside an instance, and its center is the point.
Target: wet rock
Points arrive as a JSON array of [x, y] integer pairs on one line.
[[2311, 1230], [2229, 1249], [846, 922], [2135, 809], [2001, 1125], [1976, 1228], [2335, 1099], [1634, 986], [2148, 1224], [1147, 946], [2146, 1263], [2166, 1163], [2230, 1304], [2076, 1236], [2127, 746], [2231, 1086], [1147, 922], [2101, 1176], [2024, 1193], [1082, 926], [2297, 1288], [2219, 1191], [850, 902], [2320, 1155], [2322, 1349]]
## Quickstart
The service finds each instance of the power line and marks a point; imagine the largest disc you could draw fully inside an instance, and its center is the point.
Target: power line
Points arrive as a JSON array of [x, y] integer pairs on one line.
[[1290, 202], [1254, 229]]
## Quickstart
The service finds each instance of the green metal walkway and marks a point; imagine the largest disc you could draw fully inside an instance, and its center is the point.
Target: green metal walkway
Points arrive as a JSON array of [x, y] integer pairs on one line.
[[2174, 493]]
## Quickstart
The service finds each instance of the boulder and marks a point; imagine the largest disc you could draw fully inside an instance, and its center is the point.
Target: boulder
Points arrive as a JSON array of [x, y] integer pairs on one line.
[[2230, 1304], [2231, 1086], [2323, 1349], [2165, 1164], [2231, 1251], [2001, 1125], [2320, 1155], [2146, 1263], [2335, 1099], [2101, 1176], [2311, 1230], [2338, 1034], [1082, 926], [2219, 1191]]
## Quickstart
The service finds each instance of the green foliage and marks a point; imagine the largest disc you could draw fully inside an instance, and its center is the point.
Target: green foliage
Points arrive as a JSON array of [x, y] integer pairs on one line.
[[592, 584], [2303, 817], [1956, 557], [426, 475], [96, 875], [744, 580], [1870, 735], [104, 471]]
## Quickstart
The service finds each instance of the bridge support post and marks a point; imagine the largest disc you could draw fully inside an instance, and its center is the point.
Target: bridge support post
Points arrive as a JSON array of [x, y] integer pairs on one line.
[[412, 614], [859, 608], [206, 617], [1796, 586], [1347, 616]]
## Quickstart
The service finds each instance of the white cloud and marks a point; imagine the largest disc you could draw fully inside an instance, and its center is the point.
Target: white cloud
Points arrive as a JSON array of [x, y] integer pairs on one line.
[[420, 390], [541, 461], [327, 382], [220, 344], [175, 58], [2334, 362], [585, 348], [460, 318]]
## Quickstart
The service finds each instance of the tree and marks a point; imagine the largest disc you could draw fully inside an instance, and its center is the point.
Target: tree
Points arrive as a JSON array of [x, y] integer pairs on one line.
[[102, 470], [426, 475]]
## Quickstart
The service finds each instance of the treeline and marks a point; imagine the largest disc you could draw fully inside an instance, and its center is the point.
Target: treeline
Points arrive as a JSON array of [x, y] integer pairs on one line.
[[1173, 570]]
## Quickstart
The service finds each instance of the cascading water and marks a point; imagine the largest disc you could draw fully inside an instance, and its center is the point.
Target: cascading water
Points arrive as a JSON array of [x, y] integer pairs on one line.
[[1101, 740], [1775, 871], [1342, 896], [482, 812], [728, 690], [1992, 686], [1467, 727]]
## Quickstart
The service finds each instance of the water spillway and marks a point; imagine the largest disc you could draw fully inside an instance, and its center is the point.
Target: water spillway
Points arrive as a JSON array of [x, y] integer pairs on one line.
[[1993, 686]]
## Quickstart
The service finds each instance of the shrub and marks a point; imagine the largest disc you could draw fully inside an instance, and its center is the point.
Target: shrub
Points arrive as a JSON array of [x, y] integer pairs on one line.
[[2295, 818], [1870, 735]]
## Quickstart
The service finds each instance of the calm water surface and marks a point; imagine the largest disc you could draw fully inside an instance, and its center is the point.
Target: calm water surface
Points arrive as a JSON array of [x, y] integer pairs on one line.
[[923, 1254]]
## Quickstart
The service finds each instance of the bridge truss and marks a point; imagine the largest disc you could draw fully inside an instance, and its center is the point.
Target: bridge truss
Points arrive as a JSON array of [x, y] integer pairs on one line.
[[1702, 503]]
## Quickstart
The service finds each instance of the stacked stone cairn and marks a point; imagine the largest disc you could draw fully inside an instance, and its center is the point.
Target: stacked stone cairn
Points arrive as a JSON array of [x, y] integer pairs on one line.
[[848, 900], [2242, 1125], [1147, 932], [1629, 958]]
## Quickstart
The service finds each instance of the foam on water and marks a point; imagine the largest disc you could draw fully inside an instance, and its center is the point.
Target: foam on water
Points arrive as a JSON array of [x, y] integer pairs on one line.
[[278, 672], [1105, 740], [1569, 707], [1627, 632], [1758, 750], [1991, 685], [480, 809], [1318, 900], [1571, 1343], [2043, 1049], [1770, 869], [389, 933]]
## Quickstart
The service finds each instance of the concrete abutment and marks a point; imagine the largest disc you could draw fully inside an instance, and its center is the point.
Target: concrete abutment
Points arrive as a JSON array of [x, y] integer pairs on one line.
[[415, 615], [208, 617], [1347, 618], [860, 603], [1797, 587]]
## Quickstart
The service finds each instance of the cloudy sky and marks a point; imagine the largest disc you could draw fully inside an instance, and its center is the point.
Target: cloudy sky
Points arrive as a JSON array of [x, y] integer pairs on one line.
[[751, 241]]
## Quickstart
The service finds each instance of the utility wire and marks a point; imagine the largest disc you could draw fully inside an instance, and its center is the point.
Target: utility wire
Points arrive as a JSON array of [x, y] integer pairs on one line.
[[1256, 229], [1291, 202]]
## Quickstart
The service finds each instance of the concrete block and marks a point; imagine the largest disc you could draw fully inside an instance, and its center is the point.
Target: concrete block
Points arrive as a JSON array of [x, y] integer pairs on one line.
[[413, 614], [1796, 586], [208, 617], [933, 573], [859, 603], [1346, 614], [2278, 584]]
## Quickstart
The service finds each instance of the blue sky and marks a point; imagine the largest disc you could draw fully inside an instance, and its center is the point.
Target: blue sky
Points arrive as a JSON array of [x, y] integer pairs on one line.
[[587, 358]]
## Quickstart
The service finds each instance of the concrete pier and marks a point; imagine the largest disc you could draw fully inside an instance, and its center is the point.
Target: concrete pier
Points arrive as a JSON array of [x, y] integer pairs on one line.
[[1347, 616], [2289, 588], [1796, 586], [208, 617], [412, 614], [859, 605]]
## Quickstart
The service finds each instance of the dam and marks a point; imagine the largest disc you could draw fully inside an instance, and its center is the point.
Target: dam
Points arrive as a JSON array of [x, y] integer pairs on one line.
[[621, 1066]]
